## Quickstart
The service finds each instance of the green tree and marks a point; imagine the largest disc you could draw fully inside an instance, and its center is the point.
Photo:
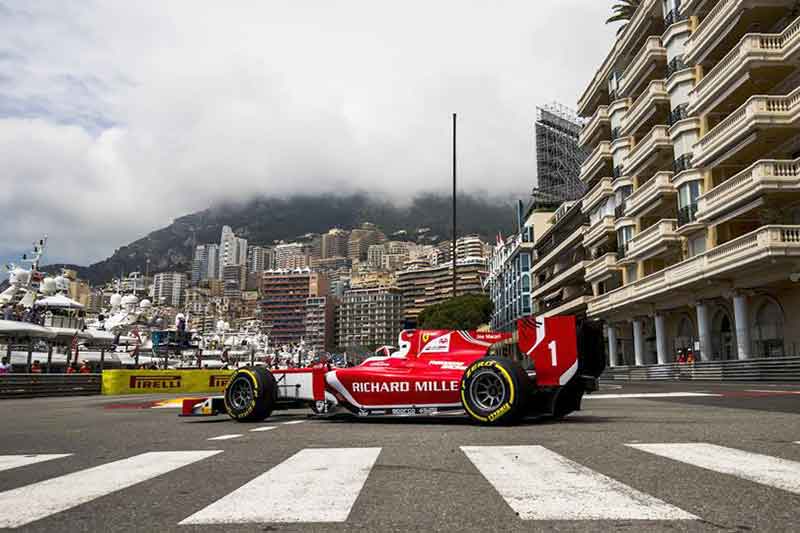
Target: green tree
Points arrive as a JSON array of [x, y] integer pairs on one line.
[[467, 311], [623, 12]]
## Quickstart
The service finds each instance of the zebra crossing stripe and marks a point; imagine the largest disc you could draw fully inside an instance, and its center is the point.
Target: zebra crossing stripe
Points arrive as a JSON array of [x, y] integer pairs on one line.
[[262, 428], [542, 485], [314, 485], [32, 502], [226, 437], [764, 469], [290, 422], [646, 395], [7, 462]]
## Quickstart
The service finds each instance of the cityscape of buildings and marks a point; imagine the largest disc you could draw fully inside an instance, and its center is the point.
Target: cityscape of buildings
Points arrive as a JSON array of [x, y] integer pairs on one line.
[[665, 207]]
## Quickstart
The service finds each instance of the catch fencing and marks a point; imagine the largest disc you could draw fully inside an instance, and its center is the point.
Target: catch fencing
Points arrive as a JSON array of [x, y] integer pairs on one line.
[[767, 369], [37, 385]]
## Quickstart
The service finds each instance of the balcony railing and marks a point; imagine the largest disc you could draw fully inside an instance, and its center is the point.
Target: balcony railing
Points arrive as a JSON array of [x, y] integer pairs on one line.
[[759, 47], [762, 176], [647, 242], [641, 108], [591, 128], [687, 214], [774, 111], [676, 64], [600, 191], [714, 22], [673, 17], [740, 253], [658, 137], [601, 267], [656, 187], [595, 161], [679, 113], [598, 230], [652, 51], [682, 163]]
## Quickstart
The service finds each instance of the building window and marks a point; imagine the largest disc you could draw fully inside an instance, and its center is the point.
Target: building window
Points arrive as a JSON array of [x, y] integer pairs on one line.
[[526, 283], [687, 201], [526, 262]]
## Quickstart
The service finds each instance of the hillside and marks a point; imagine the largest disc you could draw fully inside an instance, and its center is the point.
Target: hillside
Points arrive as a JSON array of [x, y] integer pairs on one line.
[[265, 220]]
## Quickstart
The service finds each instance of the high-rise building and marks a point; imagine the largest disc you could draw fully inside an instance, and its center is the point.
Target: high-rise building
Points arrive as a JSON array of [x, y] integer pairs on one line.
[[232, 250], [259, 259], [283, 306], [168, 289], [360, 240], [558, 155], [467, 246], [233, 277], [694, 182], [319, 323], [290, 256], [212, 258], [422, 286], [334, 243], [375, 253], [369, 318], [199, 263]]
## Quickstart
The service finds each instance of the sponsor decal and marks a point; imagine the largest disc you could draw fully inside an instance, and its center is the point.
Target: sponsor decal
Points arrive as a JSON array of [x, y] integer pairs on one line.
[[218, 380], [405, 386], [438, 345], [503, 409], [448, 365], [155, 382]]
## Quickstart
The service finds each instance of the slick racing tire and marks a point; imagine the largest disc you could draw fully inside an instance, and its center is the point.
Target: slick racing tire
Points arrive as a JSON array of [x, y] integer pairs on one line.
[[494, 391], [251, 394]]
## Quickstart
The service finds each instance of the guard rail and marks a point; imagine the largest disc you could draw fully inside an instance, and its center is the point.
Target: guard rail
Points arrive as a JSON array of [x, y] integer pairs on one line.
[[36, 385], [768, 369]]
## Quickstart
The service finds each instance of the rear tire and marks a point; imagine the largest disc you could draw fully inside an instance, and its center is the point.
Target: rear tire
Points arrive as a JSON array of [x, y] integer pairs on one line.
[[251, 394], [494, 391]]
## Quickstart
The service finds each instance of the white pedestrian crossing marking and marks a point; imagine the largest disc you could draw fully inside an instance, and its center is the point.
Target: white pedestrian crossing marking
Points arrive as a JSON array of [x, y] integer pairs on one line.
[[226, 437], [763, 469], [32, 502], [263, 428], [290, 422], [314, 485], [542, 485], [7, 462]]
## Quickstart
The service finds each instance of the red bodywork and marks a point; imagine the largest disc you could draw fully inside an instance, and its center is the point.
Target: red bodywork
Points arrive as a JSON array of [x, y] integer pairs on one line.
[[425, 373]]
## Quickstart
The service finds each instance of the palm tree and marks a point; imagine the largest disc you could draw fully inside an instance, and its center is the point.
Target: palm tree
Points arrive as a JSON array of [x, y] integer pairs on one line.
[[623, 11]]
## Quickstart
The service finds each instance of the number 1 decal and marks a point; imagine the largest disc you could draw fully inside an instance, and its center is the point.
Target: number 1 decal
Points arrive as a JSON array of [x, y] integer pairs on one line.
[[552, 346]]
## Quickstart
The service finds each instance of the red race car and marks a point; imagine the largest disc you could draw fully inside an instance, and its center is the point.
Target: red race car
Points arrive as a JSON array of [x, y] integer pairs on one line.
[[434, 371]]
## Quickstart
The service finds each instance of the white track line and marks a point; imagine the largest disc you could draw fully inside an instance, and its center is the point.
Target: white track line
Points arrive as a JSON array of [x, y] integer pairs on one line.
[[763, 469], [649, 395], [7, 462], [227, 437], [262, 428], [32, 502], [314, 485], [542, 485], [290, 422]]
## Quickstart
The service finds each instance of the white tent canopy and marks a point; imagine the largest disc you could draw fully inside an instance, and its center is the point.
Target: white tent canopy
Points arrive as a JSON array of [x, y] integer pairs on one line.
[[60, 301]]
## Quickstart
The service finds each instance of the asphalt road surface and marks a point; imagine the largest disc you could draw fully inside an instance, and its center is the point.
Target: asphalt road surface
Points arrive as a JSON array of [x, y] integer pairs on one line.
[[698, 457]]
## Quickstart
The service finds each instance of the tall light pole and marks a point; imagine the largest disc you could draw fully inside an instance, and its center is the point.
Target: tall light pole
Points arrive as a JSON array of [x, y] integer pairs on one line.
[[455, 276]]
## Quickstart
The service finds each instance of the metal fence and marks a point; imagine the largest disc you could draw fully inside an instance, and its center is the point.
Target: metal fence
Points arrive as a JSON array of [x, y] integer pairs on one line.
[[768, 369], [35, 385]]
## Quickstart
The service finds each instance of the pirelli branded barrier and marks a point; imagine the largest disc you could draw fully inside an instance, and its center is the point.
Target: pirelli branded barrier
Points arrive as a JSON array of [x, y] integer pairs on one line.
[[151, 381]]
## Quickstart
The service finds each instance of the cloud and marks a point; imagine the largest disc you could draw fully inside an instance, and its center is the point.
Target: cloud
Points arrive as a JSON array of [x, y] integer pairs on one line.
[[116, 117]]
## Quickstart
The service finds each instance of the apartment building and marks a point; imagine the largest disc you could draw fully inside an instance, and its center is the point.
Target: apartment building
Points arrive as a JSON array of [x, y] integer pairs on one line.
[[369, 318], [693, 124], [334, 243], [283, 305], [168, 289], [423, 285], [319, 323], [291, 256]]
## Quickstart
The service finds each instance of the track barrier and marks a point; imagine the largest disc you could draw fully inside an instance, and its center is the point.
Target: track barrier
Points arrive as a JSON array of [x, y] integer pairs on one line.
[[153, 381], [767, 369], [36, 385]]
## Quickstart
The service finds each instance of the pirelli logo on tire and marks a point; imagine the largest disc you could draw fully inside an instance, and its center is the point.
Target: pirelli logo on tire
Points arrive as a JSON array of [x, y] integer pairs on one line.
[[155, 382]]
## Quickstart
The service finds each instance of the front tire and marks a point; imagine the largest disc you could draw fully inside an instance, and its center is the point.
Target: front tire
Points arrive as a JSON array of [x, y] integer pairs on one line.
[[251, 394], [494, 391]]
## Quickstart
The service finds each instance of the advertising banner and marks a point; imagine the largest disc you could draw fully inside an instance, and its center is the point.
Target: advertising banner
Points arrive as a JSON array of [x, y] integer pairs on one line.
[[157, 381]]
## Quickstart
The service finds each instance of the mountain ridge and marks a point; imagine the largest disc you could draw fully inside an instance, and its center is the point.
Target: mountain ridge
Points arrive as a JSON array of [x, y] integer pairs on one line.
[[264, 220]]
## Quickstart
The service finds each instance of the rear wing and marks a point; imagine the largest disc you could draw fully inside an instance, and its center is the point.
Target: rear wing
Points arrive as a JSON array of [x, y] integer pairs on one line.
[[552, 344]]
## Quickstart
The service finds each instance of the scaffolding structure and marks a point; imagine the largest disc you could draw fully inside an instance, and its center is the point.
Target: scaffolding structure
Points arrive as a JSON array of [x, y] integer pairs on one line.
[[558, 156]]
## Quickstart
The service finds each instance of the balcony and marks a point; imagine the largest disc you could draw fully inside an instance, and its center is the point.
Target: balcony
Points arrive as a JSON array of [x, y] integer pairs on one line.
[[599, 231], [559, 278], [570, 307], [647, 110], [722, 21], [756, 116], [602, 268], [651, 192], [597, 129], [647, 65], [758, 58], [600, 192], [653, 241], [743, 255], [763, 177], [648, 149], [555, 252], [598, 162]]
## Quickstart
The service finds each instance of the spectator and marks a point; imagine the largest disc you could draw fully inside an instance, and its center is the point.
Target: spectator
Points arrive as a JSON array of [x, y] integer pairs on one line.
[[85, 368], [36, 368], [681, 357], [5, 366], [71, 369], [690, 358], [8, 312]]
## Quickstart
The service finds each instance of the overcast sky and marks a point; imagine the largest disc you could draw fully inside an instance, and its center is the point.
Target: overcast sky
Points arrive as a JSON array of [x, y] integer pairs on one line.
[[118, 116]]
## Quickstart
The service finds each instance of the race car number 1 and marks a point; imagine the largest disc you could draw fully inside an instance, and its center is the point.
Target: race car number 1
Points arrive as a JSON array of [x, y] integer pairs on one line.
[[553, 359]]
